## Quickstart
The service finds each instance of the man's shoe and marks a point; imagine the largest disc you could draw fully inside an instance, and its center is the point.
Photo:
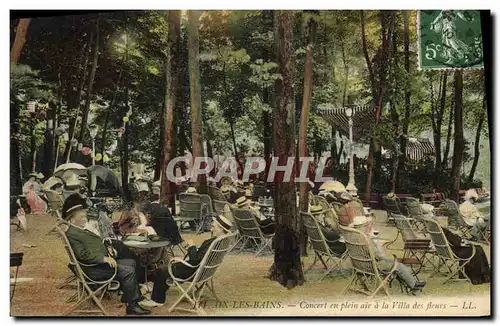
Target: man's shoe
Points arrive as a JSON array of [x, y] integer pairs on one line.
[[149, 303], [419, 285], [136, 309]]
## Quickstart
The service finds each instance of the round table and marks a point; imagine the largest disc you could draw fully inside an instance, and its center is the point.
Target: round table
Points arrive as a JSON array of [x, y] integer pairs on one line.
[[149, 245]]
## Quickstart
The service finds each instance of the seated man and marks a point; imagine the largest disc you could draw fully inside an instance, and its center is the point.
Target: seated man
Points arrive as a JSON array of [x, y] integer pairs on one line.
[[267, 225], [385, 263], [332, 236], [220, 226], [473, 217], [90, 250]]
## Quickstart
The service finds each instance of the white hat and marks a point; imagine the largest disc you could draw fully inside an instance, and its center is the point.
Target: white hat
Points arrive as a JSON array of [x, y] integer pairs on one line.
[[73, 181], [359, 220], [191, 190]]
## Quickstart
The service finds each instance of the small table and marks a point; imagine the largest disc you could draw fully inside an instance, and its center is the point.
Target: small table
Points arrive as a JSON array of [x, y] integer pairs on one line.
[[149, 245]]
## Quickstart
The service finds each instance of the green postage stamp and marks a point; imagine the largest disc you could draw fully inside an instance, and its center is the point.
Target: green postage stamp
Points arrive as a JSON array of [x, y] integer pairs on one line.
[[450, 39]]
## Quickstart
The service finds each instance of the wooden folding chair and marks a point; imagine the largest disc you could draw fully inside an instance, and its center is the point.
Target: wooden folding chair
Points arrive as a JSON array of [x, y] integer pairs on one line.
[[203, 277], [320, 247], [392, 207], [365, 270], [249, 230], [16, 260], [452, 263], [87, 288]]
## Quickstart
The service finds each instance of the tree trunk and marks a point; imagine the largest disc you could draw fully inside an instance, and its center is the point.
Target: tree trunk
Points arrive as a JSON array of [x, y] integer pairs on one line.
[[195, 88], [444, 163], [304, 118], [76, 105], [110, 109], [458, 146], [287, 267], [19, 40], [15, 155], [48, 147], [406, 119], [333, 149], [437, 131], [476, 143], [172, 74], [125, 156], [85, 111], [233, 137], [33, 148]]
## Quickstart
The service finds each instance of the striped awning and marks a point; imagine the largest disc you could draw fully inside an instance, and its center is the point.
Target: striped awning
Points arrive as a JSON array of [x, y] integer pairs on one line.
[[363, 120], [417, 149]]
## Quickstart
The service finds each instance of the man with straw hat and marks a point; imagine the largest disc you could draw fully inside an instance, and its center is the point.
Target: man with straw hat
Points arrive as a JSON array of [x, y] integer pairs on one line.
[[333, 238], [267, 225], [384, 263], [219, 227], [89, 249]]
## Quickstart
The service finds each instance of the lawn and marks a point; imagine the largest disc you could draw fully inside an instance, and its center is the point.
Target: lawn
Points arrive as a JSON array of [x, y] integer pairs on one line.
[[240, 282]]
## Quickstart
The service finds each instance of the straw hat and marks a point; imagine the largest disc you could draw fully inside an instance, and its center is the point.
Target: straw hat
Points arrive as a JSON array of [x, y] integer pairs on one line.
[[191, 190], [223, 222], [242, 201], [248, 193], [334, 186], [391, 195], [360, 220], [316, 209], [225, 188], [73, 181], [226, 181], [37, 175]]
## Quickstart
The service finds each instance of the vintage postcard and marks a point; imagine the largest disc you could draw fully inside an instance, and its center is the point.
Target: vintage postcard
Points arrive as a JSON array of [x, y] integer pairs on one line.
[[250, 163]]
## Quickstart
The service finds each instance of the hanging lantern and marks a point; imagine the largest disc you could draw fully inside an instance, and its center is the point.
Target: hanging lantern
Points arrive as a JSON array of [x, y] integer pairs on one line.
[[98, 156], [106, 158], [86, 151], [148, 120], [125, 119], [74, 142], [80, 146], [31, 106], [50, 123]]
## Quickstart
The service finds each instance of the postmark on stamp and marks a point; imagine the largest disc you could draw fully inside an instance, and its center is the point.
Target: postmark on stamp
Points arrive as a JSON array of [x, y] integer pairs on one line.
[[450, 39]]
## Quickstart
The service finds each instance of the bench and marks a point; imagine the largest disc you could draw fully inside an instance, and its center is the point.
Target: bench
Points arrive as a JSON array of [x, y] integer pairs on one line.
[[374, 201]]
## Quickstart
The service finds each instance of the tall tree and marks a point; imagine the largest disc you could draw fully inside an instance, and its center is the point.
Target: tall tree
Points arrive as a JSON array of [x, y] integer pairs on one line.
[[172, 80], [20, 39], [378, 72], [437, 113], [195, 88], [479, 130], [406, 119], [444, 162], [458, 141], [86, 108], [287, 267], [304, 118], [76, 104]]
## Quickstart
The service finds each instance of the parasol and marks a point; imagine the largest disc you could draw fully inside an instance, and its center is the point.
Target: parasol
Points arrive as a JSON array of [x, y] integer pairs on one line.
[[76, 168], [334, 186]]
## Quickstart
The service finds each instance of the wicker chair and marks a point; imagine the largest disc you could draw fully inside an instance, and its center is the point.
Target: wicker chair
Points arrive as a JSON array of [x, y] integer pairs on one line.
[[392, 207], [456, 221], [203, 277], [320, 246], [249, 230], [259, 191], [216, 194], [415, 213], [55, 203], [87, 288], [330, 216], [447, 258], [360, 250], [190, 210]]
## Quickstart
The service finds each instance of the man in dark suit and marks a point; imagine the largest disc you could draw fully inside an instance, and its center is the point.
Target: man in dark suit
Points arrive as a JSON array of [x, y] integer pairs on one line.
[[90, 250], [220, 226]]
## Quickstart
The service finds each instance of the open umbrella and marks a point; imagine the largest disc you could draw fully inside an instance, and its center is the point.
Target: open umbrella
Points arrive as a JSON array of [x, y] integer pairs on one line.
[[103, 180], [334, 186], [72, 167]]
